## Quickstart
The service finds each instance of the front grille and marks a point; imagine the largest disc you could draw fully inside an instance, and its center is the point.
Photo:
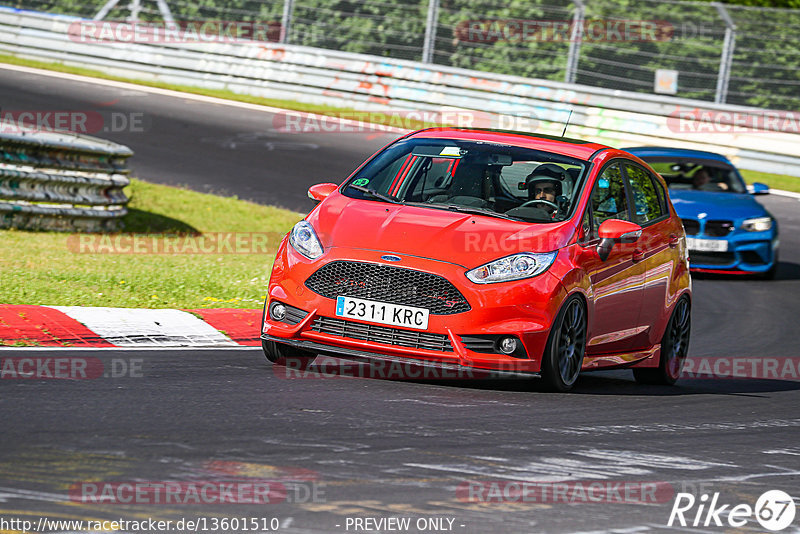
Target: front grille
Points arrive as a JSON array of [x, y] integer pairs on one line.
[[718, 228], [382, 334], [712, 258], [384, 283], [691, 226]]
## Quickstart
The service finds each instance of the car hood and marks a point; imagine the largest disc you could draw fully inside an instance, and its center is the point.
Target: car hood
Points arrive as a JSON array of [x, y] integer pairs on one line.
[[453, 237], [733, 206]]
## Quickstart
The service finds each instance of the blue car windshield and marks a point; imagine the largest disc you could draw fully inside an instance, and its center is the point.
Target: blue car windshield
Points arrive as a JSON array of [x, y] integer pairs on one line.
[[475, 177], [702, 175]]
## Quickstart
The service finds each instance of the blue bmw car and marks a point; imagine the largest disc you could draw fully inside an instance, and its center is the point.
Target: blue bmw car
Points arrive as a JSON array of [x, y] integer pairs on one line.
[[727, 230]]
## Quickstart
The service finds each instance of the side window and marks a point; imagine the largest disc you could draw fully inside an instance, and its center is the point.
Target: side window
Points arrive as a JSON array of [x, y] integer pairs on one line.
[[608, 197], [646, 201]]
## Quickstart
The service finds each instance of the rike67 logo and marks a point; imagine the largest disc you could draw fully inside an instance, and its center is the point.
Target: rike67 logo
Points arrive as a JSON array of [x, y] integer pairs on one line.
[[774, 510]]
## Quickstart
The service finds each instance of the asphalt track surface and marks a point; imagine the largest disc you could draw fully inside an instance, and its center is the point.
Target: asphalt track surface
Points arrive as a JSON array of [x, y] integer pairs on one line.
[[374, 448], [210, 148]]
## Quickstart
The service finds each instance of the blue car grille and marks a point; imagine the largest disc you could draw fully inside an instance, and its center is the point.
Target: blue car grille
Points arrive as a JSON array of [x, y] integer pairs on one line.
[[712, 258], [691, 226], [718, 228], [709, 228]]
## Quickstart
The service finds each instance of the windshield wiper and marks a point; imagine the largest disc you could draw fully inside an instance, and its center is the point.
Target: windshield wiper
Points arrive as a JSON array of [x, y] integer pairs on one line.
[[478, 211], [375, 194]]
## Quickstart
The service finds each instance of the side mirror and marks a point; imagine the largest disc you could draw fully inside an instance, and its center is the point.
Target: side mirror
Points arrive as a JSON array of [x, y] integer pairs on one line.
[[614, 231], [320, 192], [760, 189]]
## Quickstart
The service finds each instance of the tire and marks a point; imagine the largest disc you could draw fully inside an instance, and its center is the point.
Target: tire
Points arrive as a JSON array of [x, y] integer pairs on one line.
[[566, 347], [674, 348], [287, 356]]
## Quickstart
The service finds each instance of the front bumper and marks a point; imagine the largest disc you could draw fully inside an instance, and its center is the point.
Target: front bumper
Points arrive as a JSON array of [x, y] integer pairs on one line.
[[524, 309], [746, 255], [443, 369]]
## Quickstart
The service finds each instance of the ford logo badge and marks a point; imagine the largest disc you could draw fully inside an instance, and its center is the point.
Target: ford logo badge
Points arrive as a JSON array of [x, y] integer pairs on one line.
[[390, 257]]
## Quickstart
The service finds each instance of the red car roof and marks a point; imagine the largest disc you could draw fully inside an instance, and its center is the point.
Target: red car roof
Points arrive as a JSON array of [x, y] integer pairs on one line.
[[560, 145]]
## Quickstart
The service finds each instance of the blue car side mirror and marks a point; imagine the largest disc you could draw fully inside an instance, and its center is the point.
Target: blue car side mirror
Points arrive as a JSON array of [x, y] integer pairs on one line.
[[760, 189]]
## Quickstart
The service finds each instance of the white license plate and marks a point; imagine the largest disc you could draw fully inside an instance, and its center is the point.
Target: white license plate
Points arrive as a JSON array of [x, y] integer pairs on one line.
[[706, 245], [382, 312]]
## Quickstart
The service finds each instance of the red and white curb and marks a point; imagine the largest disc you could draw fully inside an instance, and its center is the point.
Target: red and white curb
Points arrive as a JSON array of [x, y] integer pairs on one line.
[[77, 326]]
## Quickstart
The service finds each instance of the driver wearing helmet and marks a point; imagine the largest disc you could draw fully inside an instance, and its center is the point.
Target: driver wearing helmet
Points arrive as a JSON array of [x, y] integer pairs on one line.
[[545, 185]]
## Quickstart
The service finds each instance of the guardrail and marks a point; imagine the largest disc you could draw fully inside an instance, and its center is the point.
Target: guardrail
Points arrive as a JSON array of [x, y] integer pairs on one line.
[[53, 181], [318, 76]]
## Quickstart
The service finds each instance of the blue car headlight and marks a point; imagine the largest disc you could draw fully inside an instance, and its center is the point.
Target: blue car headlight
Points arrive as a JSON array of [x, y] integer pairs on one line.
[[514, 267], [758, 224], [305, 240]]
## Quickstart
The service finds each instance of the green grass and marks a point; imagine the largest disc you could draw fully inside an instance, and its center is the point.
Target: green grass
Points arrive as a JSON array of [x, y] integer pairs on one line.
[[51, 268], [775, 181]]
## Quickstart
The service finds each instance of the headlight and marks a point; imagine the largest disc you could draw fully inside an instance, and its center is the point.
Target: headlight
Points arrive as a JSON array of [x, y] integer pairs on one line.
[[515, 267], [759, 224], [305, 241]]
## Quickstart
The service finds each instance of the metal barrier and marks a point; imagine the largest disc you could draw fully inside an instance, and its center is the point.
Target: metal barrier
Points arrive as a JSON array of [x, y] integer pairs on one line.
[[52, 181], [714, 51], [318, 76]]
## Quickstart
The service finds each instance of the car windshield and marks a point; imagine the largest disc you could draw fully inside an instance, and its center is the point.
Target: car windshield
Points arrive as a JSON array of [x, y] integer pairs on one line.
[[702, 175], [473, 177]]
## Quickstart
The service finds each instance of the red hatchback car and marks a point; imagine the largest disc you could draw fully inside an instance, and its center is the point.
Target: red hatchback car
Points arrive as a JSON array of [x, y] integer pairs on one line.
[[488, 250]]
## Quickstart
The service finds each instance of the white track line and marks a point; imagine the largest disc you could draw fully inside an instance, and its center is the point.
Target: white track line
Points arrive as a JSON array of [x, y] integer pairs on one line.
[[189, 96], [782, 193]]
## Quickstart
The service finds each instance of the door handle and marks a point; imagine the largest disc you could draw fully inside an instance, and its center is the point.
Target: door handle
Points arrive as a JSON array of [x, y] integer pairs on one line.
[[673, 241], [638, 255]]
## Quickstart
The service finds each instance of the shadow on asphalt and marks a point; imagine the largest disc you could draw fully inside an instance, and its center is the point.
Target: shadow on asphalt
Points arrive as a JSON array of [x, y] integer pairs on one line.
[[786, 271], [596, 384], [613, 382]]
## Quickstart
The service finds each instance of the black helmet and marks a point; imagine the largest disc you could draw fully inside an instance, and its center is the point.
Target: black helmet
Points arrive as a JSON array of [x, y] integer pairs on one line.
[[547, 172]]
